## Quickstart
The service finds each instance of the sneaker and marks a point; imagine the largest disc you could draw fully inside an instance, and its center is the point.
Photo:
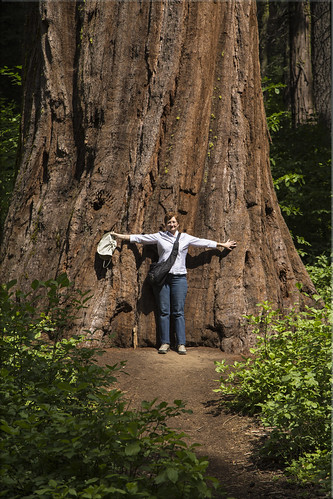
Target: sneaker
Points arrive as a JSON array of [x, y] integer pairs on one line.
[[181, 350], [164, 348]]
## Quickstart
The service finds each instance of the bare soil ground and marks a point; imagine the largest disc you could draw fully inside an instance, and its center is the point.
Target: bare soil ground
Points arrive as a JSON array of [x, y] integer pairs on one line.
[[228, 440]]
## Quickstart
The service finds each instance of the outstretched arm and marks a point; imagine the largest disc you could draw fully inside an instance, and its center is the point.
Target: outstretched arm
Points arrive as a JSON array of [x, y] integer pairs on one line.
[[137, 238], [124, 237], [229, 245]]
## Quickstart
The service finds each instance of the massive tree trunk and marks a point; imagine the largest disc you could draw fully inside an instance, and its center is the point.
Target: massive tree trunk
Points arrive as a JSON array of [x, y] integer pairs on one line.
[[322, 58], [132, 109], [301, 84]]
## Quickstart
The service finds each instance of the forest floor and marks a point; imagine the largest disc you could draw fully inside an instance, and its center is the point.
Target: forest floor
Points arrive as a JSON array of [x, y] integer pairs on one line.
[[228, 440]]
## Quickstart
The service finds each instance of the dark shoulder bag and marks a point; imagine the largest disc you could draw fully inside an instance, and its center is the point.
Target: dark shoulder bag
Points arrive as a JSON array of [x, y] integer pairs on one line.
[[158, 271]]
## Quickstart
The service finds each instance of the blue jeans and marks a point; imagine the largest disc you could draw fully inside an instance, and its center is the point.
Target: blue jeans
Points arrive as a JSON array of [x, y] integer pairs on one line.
[[171, 301]]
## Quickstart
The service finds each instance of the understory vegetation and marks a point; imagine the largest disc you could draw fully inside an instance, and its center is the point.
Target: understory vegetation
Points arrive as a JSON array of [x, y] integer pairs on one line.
[[286, 383], [66, 431], [300, 159]]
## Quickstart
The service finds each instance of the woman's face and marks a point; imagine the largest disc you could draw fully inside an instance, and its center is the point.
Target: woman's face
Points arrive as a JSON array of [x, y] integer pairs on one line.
[[172, 225]]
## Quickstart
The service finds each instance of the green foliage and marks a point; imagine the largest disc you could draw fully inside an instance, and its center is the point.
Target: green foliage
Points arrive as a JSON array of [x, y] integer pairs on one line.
[[273, 99], [66, 431], [9, 131], [301, 170], [321, 276], [13, 73], [287, 382], [9, 136]]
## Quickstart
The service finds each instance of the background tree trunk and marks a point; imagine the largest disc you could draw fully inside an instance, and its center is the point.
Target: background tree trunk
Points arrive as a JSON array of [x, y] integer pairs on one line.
[[301, 83], [321, 58], [132, 109], [263, 15]]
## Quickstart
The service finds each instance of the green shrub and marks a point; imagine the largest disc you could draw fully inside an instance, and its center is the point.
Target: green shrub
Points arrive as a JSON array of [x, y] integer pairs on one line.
[[301, 169], [300, 159], [287, 382], [321, 276], [66, 431]]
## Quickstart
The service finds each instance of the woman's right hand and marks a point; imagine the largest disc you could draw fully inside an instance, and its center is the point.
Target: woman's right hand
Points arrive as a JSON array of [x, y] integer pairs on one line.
[[124, 237]]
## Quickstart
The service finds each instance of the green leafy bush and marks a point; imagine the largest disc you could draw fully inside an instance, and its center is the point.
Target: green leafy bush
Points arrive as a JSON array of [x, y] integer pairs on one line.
[[274, 104], [321, 276], [66, 431], [301, 168], [287, 382]]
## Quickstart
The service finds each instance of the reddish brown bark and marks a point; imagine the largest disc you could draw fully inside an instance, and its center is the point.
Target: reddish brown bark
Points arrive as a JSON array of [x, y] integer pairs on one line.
[[133, 109]]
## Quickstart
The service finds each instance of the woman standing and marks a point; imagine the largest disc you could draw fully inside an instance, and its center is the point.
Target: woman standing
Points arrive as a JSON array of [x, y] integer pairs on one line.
[[171, 296]]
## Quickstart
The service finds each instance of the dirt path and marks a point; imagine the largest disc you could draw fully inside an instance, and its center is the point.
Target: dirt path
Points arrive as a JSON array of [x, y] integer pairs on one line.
[[227, 440]]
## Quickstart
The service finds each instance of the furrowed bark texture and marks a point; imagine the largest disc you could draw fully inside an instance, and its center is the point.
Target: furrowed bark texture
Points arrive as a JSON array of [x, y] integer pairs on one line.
[[133, 109]]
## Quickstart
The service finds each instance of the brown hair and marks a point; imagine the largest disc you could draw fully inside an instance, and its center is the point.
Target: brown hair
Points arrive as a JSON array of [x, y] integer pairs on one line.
[[170, 215]]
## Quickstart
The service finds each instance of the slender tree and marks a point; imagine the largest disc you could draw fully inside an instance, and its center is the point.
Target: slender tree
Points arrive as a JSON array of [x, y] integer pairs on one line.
[[321, 58], [263, 14], [301, 81], [132, 109], [273, 23]]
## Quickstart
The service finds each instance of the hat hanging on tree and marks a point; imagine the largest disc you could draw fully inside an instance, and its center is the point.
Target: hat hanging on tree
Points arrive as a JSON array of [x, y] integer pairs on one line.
[[105, 248]]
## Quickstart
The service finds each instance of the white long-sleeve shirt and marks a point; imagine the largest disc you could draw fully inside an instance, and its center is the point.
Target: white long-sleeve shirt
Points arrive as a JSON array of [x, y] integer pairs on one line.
[[165, 241]]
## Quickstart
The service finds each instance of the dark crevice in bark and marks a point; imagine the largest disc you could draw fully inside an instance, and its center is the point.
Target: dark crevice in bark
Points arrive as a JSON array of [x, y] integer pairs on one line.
[[122, 306], [64, 248], [30, 214], [149, 71], [48, 50], [188, 191], [46, 176], [248, 258], [90, 159], [100, 201], [99, 120], [268, 210], [33, 96], [152, 180], [125, 212], [140, 145], [78, 127], [91, 14], [283, 275]]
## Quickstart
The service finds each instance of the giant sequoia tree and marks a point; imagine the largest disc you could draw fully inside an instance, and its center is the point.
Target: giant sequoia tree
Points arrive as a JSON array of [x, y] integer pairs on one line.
[[132, 109]]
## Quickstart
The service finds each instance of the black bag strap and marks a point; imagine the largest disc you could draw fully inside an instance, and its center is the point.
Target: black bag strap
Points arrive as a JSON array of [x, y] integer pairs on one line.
[[176, 243], [158, 271], [174, 251]]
